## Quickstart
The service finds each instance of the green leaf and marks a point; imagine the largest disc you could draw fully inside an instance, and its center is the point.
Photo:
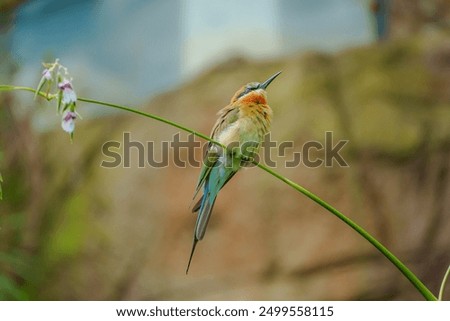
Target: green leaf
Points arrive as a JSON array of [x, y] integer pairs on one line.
[[41, 84], [58, 101]]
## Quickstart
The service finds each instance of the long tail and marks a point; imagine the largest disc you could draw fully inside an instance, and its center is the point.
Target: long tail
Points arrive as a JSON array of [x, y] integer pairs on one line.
[[205, 208], [194, 244], [215, 181]]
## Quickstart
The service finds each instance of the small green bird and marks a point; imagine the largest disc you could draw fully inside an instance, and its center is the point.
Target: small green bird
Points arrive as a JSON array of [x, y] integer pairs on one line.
[[241, 128]]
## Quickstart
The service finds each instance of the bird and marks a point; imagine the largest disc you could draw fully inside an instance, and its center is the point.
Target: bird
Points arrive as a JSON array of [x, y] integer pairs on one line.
[[240, 128]]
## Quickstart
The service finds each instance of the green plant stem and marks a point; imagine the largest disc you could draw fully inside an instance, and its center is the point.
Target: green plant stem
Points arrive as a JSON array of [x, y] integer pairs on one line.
[[444, 282], [163, 120], [380, 247], [11, 88]]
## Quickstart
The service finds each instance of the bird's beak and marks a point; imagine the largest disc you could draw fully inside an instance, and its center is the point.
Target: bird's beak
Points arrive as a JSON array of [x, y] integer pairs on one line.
[[265, 84]]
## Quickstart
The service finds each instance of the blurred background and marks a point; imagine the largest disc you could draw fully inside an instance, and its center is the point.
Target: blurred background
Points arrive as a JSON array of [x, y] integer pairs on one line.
[[376, 73]]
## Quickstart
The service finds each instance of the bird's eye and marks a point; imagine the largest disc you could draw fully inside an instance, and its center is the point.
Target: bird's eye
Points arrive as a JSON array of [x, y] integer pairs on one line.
[[245, 92]]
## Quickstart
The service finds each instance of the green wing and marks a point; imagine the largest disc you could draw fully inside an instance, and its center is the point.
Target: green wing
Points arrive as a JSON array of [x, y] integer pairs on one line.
[[227, 116]]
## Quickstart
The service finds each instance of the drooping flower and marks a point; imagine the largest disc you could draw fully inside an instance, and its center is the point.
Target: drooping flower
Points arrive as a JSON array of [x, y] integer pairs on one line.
[[46, 78], [47, 74], [68, 94], [56, 77], [68, 121]]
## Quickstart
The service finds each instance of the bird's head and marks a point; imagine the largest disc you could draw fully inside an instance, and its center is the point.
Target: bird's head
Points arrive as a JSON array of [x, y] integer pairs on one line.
[[254, 92]]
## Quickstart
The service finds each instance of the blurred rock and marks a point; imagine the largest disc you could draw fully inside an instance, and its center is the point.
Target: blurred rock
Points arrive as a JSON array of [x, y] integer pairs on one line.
[[408, 17]]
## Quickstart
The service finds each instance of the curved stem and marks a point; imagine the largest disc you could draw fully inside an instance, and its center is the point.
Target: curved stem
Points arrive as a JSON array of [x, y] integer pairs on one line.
[[380, 247], [135, 111], [11, 88], [443, 284]]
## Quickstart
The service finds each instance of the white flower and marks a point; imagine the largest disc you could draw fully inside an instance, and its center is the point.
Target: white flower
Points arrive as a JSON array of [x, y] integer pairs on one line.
[[68, 94], [56, 75], [47, 74], [68, 121]]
